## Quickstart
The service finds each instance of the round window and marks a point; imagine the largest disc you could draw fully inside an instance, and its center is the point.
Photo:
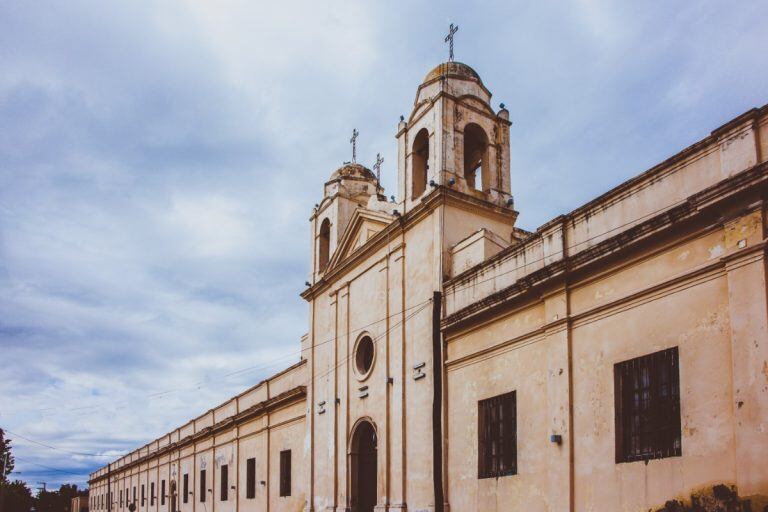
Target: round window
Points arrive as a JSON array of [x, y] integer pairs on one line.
[[364, 355]]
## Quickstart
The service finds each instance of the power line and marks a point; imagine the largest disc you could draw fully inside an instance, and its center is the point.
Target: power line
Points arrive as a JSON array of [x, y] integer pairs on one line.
[[26, 461], [57, 448]]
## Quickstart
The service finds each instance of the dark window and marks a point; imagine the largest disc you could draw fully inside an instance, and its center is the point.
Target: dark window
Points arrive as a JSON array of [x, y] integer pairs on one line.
[[364, 355], [121, 498], [250, 478], [497, 436], [224, 482], [152, 493], [127, 497], [202, 486], [143, 499], [647, 394], [162, 492], [324, 245], [285, 473], [134, 494], [185, 488], [420, 167]]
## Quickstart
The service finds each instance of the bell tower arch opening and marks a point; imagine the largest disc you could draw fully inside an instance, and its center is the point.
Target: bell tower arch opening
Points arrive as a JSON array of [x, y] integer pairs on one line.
[[476, 158], [324, 245], [420, 159], [363, 467]]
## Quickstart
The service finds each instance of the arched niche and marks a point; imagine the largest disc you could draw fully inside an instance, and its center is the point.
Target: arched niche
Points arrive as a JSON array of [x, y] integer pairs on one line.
[[324, 245], [476, 172], [420, 166]]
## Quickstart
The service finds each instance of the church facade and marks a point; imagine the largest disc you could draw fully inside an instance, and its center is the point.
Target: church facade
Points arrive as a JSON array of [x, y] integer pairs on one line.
[[614, 359]]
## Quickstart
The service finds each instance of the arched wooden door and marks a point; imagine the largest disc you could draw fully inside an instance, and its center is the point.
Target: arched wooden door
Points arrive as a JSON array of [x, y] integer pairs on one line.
[[363, 463]]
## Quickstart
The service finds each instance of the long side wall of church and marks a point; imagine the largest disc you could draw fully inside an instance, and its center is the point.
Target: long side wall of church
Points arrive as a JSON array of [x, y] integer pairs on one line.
[[260, 423], [561, 367]]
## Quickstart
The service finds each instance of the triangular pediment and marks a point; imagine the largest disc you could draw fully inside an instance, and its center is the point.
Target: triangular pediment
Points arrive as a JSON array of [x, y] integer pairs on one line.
[[363, 225]]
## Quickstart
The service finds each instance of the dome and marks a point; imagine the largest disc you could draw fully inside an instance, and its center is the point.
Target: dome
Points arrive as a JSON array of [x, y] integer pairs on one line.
[[451, 68], [352, 170]]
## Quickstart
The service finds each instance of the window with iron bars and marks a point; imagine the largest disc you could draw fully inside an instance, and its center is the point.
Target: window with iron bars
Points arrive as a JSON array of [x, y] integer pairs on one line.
[[647, 395], [497, 436]]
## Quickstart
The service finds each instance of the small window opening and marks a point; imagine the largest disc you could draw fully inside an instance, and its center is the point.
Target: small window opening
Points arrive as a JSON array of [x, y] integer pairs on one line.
[[475, 157], [285, 473], [185, 488], [250, 478], [202, 490], [224, 482], [420, 159]]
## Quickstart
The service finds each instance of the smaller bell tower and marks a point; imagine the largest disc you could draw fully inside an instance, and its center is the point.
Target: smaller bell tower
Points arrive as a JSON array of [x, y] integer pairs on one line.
[[349, 187], [453, 137]]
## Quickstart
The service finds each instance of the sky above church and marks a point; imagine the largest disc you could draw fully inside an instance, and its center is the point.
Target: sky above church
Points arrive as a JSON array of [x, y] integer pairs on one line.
[[159, 162]]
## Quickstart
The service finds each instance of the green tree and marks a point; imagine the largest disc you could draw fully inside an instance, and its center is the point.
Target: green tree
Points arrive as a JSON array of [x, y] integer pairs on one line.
[[57, 501], [6, 457], [17, 497]]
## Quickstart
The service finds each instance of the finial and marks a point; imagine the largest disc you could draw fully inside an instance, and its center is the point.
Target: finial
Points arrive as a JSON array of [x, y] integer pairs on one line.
[[501, 105], [377, 166], [449, 39], [402, 118], [353, 141]]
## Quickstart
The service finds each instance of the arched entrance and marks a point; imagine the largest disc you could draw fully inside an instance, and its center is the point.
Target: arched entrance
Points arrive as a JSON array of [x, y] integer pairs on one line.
[[362, 456]]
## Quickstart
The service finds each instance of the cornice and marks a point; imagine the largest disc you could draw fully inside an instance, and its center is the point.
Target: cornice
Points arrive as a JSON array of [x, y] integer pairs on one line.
[[630, 239], [284, 399], [441, 195]]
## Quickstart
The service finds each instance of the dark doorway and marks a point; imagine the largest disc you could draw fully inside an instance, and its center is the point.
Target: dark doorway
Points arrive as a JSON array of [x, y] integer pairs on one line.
[[172, 492], [363, 459]]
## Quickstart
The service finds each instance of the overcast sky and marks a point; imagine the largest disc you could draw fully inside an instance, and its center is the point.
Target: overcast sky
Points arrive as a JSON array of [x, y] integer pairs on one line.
[[159, 162]]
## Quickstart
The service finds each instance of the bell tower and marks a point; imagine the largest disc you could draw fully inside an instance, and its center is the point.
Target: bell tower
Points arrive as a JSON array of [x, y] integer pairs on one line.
[[453, 137], [350, 187]]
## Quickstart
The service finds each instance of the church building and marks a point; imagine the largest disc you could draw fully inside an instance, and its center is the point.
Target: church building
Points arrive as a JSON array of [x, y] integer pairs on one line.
[[615, 359]]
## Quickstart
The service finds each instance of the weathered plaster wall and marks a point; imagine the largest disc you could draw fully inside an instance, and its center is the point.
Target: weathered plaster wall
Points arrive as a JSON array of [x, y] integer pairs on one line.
[[704, 292]]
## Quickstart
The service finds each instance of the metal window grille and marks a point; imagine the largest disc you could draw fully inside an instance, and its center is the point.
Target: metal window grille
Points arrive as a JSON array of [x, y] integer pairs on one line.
[[143, 499], [152, 494], [647, 394], [162, 492], [285, 473], [185, 489], [250, 478], [202, 486], [497, 436]]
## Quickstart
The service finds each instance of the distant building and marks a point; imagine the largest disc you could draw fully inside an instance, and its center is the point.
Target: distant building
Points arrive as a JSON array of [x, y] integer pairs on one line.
[[79, 504], [614, 359]]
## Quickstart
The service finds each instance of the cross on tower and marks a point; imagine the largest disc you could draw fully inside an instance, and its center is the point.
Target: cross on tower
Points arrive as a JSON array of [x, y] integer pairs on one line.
[[449, 39], [377, 166], [353, 141]]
